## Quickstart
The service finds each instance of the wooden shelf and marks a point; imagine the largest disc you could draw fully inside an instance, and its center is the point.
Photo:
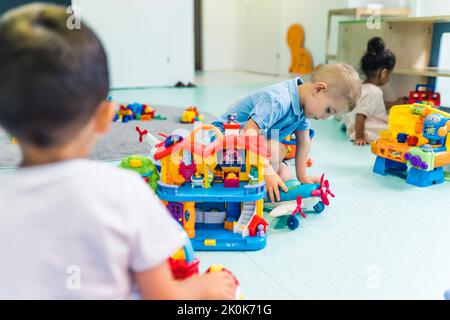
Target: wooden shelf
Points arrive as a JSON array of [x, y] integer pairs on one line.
[[433, 19], [365, 11], [423, 72], [359, 13]]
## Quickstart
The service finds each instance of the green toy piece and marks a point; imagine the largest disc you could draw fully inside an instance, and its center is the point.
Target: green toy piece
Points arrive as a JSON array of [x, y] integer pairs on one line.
[[425, 157], [159, 117], [144, 167]]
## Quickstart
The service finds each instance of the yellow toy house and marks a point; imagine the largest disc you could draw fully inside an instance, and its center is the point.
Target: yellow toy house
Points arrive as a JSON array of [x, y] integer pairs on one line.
[[216, 190]]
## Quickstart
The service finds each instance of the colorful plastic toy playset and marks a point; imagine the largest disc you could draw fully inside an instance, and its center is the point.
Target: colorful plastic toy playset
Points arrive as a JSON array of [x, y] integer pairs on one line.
[[216, 191], [136, 111], [417, 143]]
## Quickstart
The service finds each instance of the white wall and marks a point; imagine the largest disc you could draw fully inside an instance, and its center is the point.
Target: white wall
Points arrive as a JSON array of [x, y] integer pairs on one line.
[[432, 7], [314, 18], [251, 34], [149, 42], [220, 28]]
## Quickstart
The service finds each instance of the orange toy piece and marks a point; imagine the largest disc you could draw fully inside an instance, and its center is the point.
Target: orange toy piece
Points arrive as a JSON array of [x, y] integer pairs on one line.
[[301, 58]]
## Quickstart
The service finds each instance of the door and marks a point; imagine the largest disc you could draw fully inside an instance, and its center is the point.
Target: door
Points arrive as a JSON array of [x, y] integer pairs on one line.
[[260, 47], [176, 209]]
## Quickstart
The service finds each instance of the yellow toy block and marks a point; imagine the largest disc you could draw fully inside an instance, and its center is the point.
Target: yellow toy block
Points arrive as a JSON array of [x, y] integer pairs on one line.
[[228, 225], [135, 163]]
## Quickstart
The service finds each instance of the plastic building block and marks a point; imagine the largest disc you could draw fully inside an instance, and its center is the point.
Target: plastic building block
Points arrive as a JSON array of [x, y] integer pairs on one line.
[[421, 178], [412, 141], [401, 137], [134, 111], [190, 115]]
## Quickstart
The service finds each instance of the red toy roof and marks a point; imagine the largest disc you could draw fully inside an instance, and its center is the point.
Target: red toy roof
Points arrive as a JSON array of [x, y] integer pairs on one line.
[[232, 126], [255, 144]]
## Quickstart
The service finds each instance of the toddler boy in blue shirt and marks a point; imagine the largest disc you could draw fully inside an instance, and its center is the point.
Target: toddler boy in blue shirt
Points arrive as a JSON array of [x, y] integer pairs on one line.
[[282, 109]]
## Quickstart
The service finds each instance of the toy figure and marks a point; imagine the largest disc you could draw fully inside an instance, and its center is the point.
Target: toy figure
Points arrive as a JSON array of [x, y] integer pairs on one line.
[[197, 180], [436, 128], [232, 118]]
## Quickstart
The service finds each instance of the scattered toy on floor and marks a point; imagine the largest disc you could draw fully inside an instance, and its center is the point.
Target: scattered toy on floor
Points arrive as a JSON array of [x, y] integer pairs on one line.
[[184, 264], [136, 111], [417, 143], [190, 115], [425, 94], [299, 197]]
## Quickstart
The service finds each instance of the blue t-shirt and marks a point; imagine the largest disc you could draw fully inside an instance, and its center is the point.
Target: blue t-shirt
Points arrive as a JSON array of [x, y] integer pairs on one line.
[[276, 107]]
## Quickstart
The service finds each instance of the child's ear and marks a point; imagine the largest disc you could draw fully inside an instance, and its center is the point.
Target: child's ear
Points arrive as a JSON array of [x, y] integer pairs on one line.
[[319, 87], [384, 73], [104, 116]]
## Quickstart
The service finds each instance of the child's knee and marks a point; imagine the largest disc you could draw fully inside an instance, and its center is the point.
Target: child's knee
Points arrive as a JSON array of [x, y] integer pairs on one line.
[[277, 151]]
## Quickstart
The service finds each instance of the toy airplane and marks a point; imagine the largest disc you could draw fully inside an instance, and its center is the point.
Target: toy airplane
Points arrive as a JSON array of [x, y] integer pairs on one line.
[[300, 197]]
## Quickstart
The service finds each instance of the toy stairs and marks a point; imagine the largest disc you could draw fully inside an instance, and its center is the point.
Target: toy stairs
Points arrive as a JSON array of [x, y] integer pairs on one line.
[[248, 210]]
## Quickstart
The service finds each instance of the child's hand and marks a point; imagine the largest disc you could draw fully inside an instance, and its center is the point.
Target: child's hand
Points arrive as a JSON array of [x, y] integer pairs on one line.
[[309, 180], [273, 183], [218, 286], [361, 142]]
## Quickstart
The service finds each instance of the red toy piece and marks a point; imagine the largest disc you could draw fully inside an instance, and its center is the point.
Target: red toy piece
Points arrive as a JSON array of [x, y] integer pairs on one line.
[[425, 94], [323, 191], [141, 133]]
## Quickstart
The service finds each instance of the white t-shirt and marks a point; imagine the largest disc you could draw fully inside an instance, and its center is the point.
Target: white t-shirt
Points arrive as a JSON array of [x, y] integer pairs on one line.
[[77, 230], [371, 104]]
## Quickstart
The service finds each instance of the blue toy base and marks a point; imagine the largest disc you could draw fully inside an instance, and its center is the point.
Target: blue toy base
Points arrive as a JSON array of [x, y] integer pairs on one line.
[[384, 166], [421, 178], [226, 240], [413, 176]]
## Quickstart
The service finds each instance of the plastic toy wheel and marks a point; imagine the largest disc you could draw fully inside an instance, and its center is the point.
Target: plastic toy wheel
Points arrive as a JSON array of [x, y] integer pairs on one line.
[[292, 222], [319, 207]]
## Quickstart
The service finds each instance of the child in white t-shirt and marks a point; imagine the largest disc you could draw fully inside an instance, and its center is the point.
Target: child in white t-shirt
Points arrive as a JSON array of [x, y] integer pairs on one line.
[[364, 123], [71, 228]]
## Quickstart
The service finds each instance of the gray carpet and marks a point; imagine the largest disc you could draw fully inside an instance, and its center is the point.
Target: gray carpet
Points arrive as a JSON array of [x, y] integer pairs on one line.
[[121, 141]]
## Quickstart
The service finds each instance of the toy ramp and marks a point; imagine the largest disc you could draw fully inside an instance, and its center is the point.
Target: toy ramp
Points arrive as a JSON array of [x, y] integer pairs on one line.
[[248, 211]]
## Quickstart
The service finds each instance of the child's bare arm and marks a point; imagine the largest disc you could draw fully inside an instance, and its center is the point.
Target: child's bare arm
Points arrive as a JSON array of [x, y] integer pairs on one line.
[[301, 156], [251, 128], [158, 283], [360, 138], [273, 180]]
